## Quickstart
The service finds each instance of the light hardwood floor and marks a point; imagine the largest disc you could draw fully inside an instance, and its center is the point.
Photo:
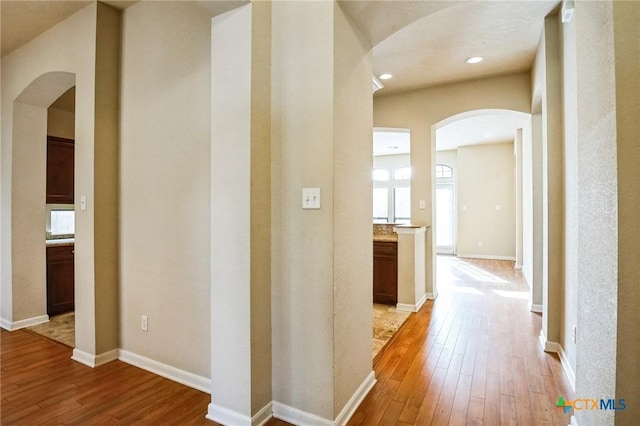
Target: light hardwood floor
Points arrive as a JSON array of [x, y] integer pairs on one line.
[[471, 357]]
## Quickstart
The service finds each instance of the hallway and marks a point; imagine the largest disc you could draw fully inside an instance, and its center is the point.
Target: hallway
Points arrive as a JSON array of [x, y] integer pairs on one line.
[[472, 356]]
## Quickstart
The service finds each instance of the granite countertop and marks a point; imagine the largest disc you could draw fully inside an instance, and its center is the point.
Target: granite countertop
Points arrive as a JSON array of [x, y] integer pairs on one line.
[[386, 237], [61, 242]]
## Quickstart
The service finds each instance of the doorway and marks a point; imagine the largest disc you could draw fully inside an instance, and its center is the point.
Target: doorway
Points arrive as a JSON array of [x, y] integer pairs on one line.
[[445, 218]]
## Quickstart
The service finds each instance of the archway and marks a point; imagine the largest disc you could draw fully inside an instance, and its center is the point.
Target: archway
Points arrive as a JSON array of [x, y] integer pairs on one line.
[[491, 126], [24, 279]]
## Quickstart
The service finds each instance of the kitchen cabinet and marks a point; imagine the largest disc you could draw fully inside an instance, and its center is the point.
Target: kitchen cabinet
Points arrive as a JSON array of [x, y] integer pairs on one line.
[[385, 272], [60, 156], [60, 279]]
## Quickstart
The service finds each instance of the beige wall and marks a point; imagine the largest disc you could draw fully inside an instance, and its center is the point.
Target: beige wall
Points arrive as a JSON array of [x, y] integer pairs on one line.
[[240, 181], [60, 123], [353, 245], [164, 197], [40, 67], [486, 180], [597, 218], [626, 19], [322, 264], [420, 110]]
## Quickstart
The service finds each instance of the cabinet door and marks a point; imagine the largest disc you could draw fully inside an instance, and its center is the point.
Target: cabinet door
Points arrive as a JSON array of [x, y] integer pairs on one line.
[[60, 280], [60, 156], [385, 273]]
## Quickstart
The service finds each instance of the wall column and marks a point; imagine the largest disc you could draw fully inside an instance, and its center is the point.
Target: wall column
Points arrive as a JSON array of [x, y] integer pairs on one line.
[[240, 216], [552, 189]]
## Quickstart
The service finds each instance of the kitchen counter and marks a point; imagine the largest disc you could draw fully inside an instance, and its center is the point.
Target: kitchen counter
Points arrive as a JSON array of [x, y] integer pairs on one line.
[[61, 242], [386, 237]]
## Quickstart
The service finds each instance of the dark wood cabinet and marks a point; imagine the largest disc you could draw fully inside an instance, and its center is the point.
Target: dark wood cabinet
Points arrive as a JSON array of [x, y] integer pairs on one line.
[[60, 279], [60, 155], [385, 272]]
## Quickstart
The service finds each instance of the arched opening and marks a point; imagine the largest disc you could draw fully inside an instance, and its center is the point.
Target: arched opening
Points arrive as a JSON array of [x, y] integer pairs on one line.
[[484, 207], [26, 283]]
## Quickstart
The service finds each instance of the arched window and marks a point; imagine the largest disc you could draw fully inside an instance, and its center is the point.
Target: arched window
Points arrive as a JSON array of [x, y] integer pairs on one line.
[[443, 171], [402, 173], [380, 175]]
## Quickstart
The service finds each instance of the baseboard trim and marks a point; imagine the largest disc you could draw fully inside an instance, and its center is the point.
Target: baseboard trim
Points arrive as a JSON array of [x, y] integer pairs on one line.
[[94, 360], [518, 266], [177, 375], [548, 346], [263, 416], [225, 416], [17, 325], [407, 307], [535, 308], [298, 417], [486, 256], [431, 296], [566, 366], [356, 399]]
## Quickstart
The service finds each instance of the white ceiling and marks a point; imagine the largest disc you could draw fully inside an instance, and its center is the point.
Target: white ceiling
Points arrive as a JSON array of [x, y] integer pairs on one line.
[[422, 43], [480, 129], [391, 141]]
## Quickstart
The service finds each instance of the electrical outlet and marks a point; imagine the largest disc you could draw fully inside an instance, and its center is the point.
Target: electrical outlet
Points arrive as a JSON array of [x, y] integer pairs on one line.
[[144, 323], [479, 243]]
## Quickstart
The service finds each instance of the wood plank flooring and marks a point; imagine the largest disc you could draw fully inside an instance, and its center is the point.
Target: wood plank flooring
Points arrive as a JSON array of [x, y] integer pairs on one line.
[[41, 385], [471, 357]]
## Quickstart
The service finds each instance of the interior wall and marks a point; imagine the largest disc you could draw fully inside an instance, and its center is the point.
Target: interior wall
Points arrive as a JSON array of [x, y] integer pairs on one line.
[[571, 189], [626, 20], [48, 66], [353, 244], [302, 156], [420, 110], [486, 201], [598, 227], [165, 187], [60, 123]]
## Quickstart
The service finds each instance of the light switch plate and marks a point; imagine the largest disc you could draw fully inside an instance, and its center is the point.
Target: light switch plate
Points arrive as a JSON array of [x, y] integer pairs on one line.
[[423, 204], [310, 198]]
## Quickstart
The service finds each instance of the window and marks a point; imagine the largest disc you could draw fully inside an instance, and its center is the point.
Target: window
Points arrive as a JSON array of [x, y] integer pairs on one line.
[[380, 175], [392, 198], [63, 222], [403, 173], [443, 172], [380, 205]]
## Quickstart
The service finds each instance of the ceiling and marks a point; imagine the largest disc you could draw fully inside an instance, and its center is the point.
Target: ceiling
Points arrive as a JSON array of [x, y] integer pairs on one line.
[[481, 129], [422, 43], [391, 141]]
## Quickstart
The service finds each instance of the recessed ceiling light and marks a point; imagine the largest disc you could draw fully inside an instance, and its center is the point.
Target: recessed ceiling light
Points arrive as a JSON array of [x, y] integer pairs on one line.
[[474, 59], [385, 76]]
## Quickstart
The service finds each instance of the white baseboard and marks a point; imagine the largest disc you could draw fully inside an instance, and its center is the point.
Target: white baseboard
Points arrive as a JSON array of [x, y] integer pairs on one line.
[[518, 266], [298, 417], [535, 308], [94, 360], [566, 366], [225, 416], [486, 256], [407, 307], [263, 416], [548, 346], [177, 375], [356, 399], [432, 296], [16, 325]]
